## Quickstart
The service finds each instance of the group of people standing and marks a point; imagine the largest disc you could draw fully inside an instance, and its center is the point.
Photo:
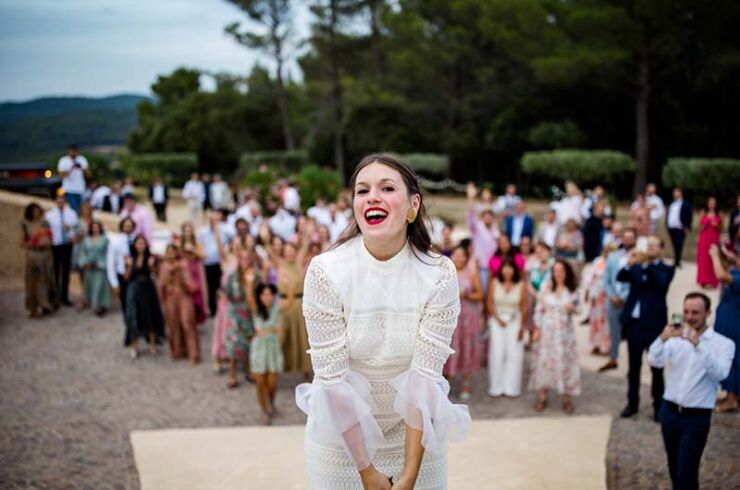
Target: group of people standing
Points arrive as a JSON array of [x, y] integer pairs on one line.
[[520, 286]]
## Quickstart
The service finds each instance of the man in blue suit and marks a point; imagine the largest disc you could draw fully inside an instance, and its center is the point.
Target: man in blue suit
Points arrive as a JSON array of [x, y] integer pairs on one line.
[[678, 221], [519, 224], [644, 316], [616, 295]]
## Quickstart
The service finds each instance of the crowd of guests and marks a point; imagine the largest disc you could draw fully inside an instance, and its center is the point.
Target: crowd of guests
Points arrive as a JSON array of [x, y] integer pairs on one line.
[[524, 284], [241, 260]]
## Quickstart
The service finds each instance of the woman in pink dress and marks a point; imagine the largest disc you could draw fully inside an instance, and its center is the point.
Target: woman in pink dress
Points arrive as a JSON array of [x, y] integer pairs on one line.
[[505, 250], [710, 226], [466, 358], [194, 254]]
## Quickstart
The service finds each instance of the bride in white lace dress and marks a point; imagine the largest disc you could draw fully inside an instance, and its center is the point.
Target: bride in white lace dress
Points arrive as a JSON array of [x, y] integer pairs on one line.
[[380, 310]]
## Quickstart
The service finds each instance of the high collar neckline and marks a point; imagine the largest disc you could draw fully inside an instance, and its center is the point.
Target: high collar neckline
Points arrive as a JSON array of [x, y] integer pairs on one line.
[[388, 263]]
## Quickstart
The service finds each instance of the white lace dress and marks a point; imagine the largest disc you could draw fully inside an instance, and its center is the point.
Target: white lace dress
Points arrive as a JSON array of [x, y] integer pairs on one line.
[[380, 334]]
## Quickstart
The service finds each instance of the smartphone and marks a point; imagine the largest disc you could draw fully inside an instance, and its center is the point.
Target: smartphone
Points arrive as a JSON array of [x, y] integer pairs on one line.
[[642, 244], [676, 320]]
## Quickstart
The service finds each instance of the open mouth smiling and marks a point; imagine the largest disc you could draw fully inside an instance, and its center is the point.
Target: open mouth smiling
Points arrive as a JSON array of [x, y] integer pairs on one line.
[[375, 216]]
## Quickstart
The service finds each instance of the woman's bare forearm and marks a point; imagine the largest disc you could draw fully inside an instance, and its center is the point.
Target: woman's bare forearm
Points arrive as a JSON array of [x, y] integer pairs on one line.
[[413, 453]]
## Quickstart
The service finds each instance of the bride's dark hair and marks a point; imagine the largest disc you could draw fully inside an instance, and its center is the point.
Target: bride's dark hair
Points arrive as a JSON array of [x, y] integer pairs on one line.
[[417, 233]]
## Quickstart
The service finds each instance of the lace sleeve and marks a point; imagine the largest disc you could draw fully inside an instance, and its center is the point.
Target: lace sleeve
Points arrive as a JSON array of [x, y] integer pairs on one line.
[[421, 391], [338, 402]]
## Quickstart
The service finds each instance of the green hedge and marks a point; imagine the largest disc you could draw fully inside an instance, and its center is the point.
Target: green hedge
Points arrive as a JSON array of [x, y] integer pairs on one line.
[[174, 168], [430, 164], [291, 161], [315, 181], [582, 166], [702, 177]]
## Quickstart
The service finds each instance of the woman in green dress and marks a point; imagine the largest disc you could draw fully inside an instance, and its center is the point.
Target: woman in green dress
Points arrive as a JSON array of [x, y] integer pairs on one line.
[[92, 261], [265, 354]]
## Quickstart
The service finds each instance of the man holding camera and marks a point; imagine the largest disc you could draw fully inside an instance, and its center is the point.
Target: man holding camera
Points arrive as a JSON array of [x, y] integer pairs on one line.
[[73, 168], [644, 314], [698, 359]]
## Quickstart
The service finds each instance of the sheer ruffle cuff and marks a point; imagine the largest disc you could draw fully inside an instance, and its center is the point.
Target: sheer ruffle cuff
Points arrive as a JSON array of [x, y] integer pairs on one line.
[[424, 404], [342, 413]]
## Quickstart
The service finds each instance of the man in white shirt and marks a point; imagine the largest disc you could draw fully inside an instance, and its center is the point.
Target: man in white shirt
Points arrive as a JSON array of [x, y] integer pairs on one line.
[[194, 193], [159, 196], [547, 230], [219, 193], [99, 192], [118, 250], [505, 204], [283, 224], [73, 168], [212, 261], [678, 223], [63, 222], [698, 359], [655, 206], [320, 212], [290, 197], [570, 205], [338, 222]]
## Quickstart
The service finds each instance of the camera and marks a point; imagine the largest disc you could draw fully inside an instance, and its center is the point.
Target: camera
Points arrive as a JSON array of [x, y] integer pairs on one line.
[[676, 320]]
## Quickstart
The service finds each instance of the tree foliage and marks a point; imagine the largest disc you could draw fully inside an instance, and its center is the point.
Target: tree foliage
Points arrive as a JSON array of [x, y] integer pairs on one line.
[[480, 81]]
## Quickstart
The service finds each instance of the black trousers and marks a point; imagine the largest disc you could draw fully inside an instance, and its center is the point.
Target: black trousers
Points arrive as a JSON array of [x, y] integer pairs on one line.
[[161, 210], [678, 236], [62, 255], [213, 280], [122, 285], [637, 343], [684, 436]]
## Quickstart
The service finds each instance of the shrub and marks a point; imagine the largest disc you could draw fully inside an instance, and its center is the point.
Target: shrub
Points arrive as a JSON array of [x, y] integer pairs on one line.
[[582, 166], [174, 168], [262, 180], [702, 177], [290, 161], [429, 164], [315, 181]]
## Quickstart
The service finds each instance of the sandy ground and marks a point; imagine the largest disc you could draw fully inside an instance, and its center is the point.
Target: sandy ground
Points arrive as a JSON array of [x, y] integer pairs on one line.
[[511, 454]]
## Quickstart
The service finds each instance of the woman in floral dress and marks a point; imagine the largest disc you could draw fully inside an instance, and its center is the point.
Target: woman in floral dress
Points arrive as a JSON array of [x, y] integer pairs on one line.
[[466, 358], [241, 327], [555, 355]]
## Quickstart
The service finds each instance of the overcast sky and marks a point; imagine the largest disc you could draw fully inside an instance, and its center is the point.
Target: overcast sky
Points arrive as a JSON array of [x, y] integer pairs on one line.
[[105, 47]]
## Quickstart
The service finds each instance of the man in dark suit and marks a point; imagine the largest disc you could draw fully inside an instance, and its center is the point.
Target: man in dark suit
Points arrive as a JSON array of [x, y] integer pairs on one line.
[[159, 196], [678, 221], [644, 316], [519, 224]]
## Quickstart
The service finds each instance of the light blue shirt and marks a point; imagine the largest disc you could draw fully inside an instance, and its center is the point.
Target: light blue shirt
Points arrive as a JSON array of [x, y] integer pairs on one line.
[[208, 240]]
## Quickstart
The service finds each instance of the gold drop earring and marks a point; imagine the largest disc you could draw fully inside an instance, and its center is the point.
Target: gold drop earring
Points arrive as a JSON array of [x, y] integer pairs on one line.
[[411, 215]]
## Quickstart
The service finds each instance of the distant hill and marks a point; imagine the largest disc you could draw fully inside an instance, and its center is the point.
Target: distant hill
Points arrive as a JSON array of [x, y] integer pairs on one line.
[[37, 128]]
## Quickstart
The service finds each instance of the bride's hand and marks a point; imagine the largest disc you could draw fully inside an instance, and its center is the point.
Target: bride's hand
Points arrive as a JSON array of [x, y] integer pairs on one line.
[[372, 479], [403, 483]]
